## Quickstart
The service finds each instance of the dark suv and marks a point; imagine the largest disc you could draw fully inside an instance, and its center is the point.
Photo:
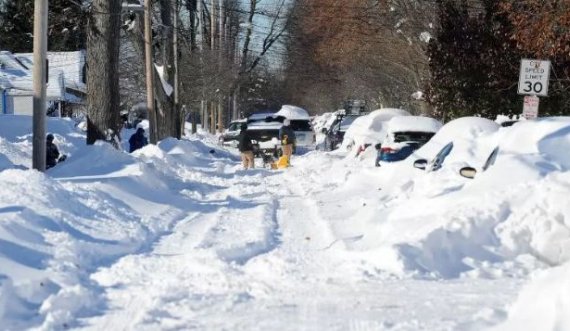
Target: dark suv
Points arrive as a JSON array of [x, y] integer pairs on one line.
[[335, 134]]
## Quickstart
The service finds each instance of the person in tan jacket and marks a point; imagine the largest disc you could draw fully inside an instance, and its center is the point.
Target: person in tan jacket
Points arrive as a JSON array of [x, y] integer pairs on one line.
[[287, 138]]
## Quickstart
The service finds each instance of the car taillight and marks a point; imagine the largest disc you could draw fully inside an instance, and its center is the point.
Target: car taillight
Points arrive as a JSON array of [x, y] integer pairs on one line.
[[388, 150]]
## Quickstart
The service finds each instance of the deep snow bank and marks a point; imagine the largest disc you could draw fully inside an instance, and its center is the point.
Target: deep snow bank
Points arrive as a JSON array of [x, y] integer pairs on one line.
[[543, 305], [59, 227], [510, 219]]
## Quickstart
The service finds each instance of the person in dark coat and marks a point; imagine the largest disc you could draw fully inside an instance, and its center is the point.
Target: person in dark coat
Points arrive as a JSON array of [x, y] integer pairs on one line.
[[245, 146], [137, 140], [52, 153]]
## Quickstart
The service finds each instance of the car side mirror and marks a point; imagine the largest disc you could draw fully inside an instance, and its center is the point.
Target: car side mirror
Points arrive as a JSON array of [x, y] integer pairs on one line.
[[468, 172], [421, 164]]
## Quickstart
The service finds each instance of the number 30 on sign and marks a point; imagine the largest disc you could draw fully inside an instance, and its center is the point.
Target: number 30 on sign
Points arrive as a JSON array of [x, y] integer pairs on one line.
[[533, 78]]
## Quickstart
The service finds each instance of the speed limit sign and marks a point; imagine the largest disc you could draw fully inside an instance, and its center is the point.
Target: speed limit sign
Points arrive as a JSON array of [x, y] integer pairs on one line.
[[533, 78]]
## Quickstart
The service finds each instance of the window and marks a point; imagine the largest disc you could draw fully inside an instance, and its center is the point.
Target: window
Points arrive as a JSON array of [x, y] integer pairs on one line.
[[420, 137], [263, 135], [234, 127], [301, 125], [437, 162]]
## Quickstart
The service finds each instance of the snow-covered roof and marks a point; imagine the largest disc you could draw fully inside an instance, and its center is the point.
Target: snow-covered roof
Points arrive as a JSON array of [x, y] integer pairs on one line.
[[70, 63], [413, 124], [17, 79], [293, 113]]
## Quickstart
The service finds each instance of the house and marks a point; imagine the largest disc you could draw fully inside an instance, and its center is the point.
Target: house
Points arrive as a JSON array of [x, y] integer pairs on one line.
[[66, 88]]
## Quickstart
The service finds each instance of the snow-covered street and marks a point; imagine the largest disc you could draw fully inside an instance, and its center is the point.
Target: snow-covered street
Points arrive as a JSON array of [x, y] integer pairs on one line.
[[178, 237], [270, 261], [287, 165]]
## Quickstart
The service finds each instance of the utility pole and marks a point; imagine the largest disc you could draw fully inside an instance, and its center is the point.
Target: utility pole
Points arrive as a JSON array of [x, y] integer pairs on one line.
[[153, 134], [177, 117], [39, 77], [200, 44], [211, 109], [220, 61]]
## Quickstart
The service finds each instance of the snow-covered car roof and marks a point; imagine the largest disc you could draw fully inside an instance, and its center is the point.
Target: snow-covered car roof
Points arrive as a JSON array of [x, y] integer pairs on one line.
[[293, 113], [259, 116], [264, 125], [544, 136], [414, 124], [371, 128], [473, 138]]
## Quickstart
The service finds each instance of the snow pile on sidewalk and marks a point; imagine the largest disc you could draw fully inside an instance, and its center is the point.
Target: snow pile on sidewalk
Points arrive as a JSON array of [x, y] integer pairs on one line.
[[543, 305], [101, 204]]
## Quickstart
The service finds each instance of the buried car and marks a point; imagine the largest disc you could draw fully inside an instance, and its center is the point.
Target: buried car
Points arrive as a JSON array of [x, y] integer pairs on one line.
[[534, 145], [370, 129], [231, 134], [335, 134], [300, 123], [265, 137], [461, 141], [405, 135]]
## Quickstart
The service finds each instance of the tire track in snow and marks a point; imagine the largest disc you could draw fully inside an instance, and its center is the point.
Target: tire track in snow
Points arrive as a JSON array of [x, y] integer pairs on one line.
[[137, 285]]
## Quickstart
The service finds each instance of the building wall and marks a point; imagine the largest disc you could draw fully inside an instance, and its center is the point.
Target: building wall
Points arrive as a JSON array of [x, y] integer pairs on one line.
[[19, 105], [2, 101]]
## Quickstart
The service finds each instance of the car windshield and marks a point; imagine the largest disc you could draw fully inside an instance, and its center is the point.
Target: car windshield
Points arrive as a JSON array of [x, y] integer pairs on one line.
[[342, 123], [437, 162], [491, 159], [260, 117], [234, 127], [301, 125], [407, 136]]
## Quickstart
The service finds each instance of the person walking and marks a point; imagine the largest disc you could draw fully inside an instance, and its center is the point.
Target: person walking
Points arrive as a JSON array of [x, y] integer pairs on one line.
[[137, 140], [287, 138], [245, 147]]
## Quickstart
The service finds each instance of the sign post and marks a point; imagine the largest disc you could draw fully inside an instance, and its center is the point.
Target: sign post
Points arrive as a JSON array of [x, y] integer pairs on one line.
[[533, 82], [530, 108]]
